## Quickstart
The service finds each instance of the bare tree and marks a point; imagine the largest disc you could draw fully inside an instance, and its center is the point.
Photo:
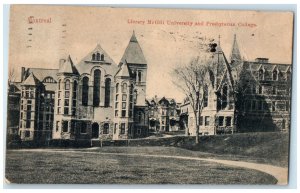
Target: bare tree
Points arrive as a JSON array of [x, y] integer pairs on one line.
[[191, 79]]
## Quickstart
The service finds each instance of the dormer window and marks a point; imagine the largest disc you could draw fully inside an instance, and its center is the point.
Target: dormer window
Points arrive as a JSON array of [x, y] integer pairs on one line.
[[102, 57], [94, 57], [275, 75], [98, 57], [261, 74]]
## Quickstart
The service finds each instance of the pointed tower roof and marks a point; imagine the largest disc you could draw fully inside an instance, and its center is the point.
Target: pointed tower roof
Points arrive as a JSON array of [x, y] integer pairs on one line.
[[68, 67], [133, 53], [31, 80], [235, 52], [123, 72]]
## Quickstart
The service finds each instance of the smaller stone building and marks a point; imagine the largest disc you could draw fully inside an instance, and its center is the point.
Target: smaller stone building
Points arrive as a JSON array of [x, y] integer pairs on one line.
[[163, 114]]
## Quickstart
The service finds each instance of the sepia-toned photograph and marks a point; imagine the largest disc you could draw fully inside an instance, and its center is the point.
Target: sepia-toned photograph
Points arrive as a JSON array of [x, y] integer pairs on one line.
[[103, 95]]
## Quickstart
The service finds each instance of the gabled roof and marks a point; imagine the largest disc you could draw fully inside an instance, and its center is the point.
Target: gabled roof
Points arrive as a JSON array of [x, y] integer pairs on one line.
[[41, 73], [235, 52], [68, 67], [31, 80], [123, 72], [86, 64], [133, 53]]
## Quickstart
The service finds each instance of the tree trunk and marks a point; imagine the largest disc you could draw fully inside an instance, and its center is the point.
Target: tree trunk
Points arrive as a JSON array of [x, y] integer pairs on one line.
[[197, 133]]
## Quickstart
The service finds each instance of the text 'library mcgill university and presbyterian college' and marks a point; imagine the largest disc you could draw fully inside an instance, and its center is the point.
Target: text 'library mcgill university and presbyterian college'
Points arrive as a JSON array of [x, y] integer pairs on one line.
[[97, 99]]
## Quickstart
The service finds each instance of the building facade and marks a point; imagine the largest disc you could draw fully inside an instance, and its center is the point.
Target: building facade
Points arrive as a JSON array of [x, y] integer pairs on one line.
[[163, 114], [94, 99], [242, 96]]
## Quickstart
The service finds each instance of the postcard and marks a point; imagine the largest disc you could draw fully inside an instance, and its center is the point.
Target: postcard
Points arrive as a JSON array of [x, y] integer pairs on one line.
[[102, 95]]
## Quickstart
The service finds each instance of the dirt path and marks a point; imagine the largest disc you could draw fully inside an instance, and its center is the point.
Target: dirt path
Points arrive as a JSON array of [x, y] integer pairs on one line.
[[280, 173]]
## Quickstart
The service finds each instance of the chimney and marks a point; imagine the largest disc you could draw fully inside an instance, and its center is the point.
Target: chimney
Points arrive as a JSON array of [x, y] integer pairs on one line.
[[22, 74]]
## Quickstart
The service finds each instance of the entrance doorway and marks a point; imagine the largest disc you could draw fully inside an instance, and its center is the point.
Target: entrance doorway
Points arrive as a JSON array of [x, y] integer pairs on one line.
[[95, 130]]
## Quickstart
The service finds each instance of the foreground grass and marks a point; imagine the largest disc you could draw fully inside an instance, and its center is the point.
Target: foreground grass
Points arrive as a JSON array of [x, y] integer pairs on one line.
[[78, 168]]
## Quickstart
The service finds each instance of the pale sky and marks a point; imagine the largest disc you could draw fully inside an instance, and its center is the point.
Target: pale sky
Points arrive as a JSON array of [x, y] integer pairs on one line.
[[164, 46]]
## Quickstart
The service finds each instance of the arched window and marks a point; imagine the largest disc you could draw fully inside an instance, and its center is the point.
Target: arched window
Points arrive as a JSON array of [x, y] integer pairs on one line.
[[224, 97], [107, 92], [98, 57], [102, 57], [67, 85], [117, 87], [261, 74], [49, 80], [105, 128], [124, 87], [275, 75], [96, 93], [85, 91], [205, 96], [93, 57]]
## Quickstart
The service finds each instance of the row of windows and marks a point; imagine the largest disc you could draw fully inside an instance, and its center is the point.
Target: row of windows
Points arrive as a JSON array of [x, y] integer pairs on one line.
[[221, 121], [275, 75], [97, 57], [256, 105]]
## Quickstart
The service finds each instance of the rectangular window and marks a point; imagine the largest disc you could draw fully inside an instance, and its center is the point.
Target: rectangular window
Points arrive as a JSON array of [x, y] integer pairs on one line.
[[228, 121], [21, 107], [28, 123], [27, 133], [116, 105], [67, 94], [58, 103], [221, 121], [28, 115], [66, 110], [59, 94], [123, 113], [207, 119], [29, 102], [58, 110], [130, 114], [67, 102], [123, 105], [65, 125], [28, 107], [57, 126], [124, 97], [201, 120], [83, 127], [117, 97], [122, 128], [116, 113]]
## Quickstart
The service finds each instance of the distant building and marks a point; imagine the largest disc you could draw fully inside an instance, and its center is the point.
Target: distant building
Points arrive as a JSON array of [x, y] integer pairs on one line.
[[94, 99], [242, 96], [163, 114]]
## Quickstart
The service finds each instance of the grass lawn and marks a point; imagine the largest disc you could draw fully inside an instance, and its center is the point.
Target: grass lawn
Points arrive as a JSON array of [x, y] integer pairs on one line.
[[82, 168]]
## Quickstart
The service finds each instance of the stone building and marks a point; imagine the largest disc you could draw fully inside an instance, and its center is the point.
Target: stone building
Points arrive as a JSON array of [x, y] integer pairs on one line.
[[94, 99], [163, 114], [242, 96]]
